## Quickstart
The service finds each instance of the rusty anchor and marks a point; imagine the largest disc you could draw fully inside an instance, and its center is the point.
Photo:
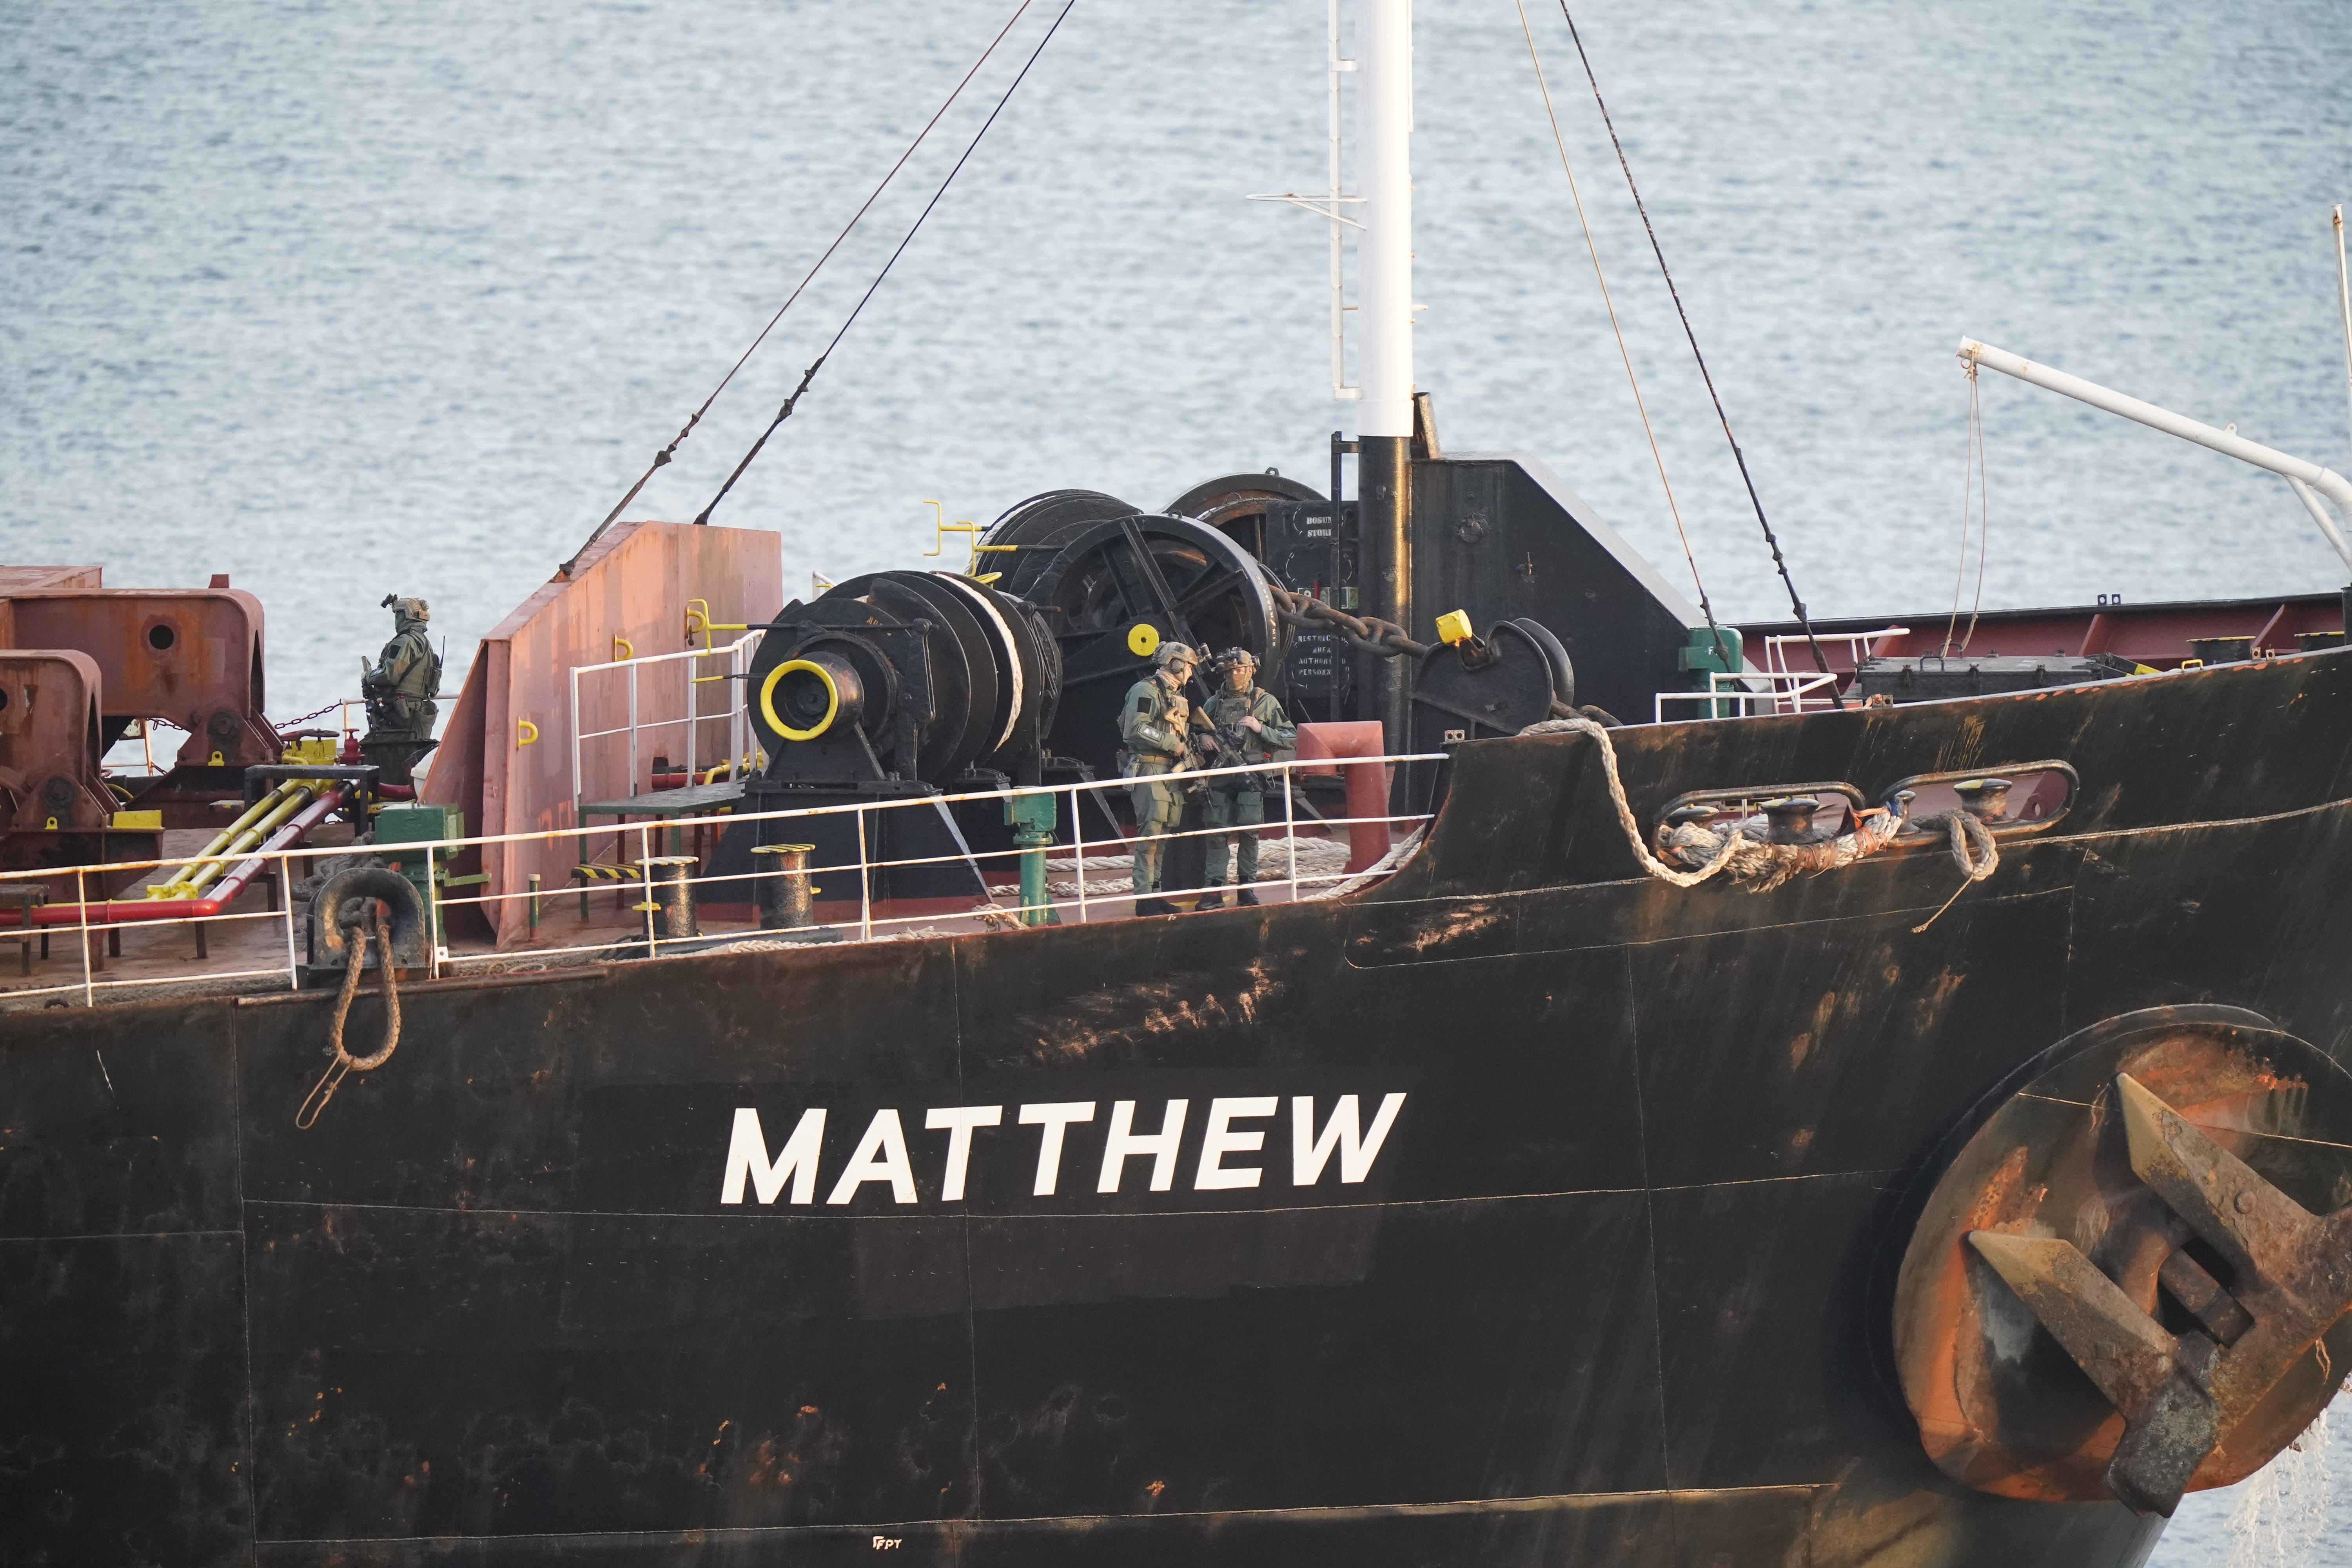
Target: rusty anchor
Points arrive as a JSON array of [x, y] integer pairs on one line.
[[2182, 1395]]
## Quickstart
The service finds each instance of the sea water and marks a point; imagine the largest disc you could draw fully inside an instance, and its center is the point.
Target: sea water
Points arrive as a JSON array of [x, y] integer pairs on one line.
[[355, 298]]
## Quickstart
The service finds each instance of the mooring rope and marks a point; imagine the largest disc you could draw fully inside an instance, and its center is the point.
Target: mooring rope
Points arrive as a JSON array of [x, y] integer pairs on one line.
[[356, 930], [1760, 865]]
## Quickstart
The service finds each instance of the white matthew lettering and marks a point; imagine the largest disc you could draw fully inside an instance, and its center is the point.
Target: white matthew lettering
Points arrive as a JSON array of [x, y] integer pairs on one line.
[[1219, 1140], [1054, 1117], [747, 1156], [1308, 1151], [881, 1156], [958, 1120], [1123, 1143]]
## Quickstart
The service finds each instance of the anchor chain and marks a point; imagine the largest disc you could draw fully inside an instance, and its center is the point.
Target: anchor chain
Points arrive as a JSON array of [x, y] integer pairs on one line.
[[1367, 634], [1384, 639]]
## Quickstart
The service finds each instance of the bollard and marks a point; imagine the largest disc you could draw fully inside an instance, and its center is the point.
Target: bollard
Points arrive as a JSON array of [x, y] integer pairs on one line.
[[784, 895], [673, 903]]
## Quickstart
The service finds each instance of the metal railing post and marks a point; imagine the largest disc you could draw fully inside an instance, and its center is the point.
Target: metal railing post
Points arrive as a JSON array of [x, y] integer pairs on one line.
[[1078, 844], [293, 973], [81, 901], [432, 918], [632, 730], [1290, 826], [864, 884], [579, 796], [645, 885]]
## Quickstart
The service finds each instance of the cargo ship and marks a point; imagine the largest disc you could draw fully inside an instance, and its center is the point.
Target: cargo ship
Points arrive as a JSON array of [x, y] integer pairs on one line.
[[1831, 1093]]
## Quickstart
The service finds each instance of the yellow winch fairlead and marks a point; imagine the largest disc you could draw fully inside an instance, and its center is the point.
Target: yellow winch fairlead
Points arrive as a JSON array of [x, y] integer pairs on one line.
[[768, 699]]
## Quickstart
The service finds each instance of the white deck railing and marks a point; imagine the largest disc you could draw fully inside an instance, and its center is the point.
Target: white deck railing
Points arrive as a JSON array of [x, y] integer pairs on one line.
[[731, 708], [1778, 688], [93, 922]]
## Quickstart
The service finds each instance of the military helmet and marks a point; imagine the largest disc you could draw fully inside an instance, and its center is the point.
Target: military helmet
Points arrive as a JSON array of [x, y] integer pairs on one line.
[[1169, 653], [1233, 658], [407, 609]]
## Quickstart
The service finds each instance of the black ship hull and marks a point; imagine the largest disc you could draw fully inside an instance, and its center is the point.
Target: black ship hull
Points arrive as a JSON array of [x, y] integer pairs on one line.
[[1611, 1288]]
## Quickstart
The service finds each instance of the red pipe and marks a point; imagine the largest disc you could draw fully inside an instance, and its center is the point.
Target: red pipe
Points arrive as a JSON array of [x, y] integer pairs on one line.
[[118, 911], [1368, 787]]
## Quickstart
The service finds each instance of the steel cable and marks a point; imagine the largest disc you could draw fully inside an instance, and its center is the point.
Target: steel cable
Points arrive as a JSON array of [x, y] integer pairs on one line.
[[1971, 484], [818, 363], [1722, 649], [666, 453], [1820, 661]]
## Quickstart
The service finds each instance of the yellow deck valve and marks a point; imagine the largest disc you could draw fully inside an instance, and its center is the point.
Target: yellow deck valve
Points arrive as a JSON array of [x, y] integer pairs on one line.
[[1453, 626]]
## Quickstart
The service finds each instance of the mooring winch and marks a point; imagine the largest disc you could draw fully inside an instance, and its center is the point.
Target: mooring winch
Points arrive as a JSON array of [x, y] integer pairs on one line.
[[905, 678]]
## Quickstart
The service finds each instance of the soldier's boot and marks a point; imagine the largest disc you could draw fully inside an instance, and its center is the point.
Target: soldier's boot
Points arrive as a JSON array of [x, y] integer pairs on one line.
[[1245, 864], [1213, 877], [1148, 852]]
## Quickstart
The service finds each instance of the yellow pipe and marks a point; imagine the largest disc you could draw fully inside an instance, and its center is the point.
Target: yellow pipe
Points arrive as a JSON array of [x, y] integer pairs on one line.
[[220, 843], [297, 794], [260, 819]]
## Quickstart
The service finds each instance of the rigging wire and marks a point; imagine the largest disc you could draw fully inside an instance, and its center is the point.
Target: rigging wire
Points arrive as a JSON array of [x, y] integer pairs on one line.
[[1721, 648], [1972, 483], [666, 453], [1820, 661], [915, 227]]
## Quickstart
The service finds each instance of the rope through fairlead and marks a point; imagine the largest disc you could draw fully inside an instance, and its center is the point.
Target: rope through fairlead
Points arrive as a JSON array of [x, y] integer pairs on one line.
[[1707, 852], [666, 453], [818, 363]]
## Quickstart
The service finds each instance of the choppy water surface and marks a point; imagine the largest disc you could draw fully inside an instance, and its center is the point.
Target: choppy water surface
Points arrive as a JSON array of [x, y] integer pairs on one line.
[[350, 298]]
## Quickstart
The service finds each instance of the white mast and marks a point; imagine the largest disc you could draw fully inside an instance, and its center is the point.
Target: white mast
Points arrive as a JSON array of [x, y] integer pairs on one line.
[[1384, 253]]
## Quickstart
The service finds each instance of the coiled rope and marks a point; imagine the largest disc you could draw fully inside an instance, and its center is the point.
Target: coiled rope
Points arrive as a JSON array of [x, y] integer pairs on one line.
[[1760, 865], [357, 927]]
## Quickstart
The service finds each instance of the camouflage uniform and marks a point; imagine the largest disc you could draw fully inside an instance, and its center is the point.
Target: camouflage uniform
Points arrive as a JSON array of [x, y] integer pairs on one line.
[[1156, 725], [402, 685], [1239, 800]]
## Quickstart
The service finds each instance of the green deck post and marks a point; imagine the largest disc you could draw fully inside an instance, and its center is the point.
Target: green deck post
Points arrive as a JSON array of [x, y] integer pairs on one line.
[[1701, 656], [1033, 817]]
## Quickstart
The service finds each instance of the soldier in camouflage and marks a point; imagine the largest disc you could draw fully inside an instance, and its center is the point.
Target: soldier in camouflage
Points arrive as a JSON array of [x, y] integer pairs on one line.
[[1156, 726], [1251, 727], [402, 684]]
